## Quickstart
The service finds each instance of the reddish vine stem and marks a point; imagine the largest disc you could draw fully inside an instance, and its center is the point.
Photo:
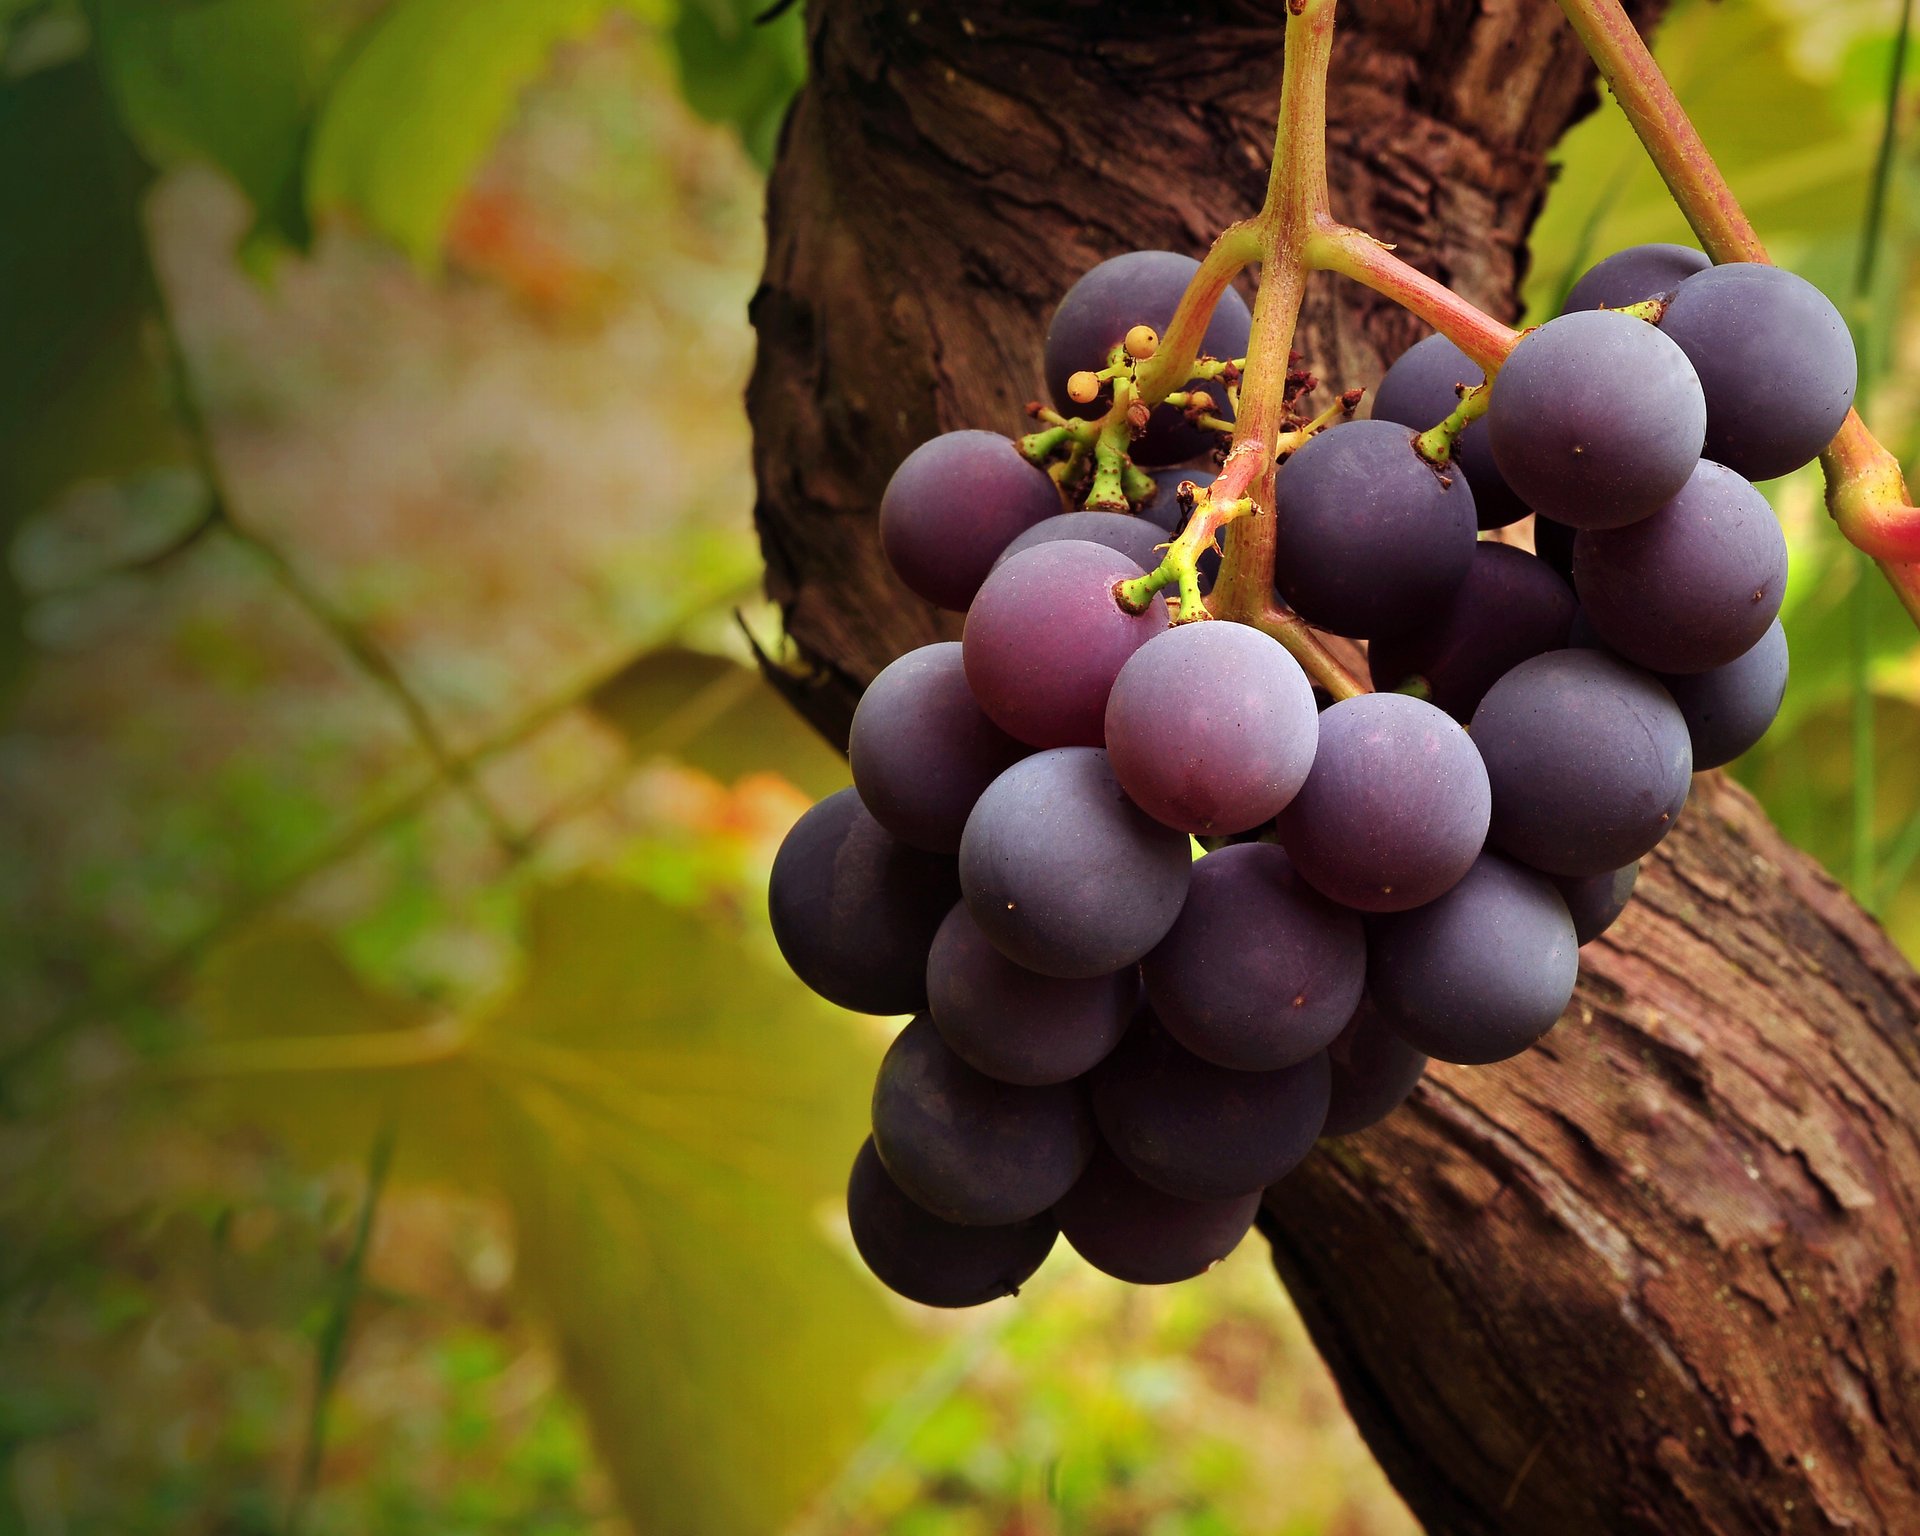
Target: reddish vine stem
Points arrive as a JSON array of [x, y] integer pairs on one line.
[[1866, 492]]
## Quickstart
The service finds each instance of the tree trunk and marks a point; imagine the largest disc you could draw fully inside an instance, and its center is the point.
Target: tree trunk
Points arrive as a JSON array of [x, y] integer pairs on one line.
[[1654, 1276]]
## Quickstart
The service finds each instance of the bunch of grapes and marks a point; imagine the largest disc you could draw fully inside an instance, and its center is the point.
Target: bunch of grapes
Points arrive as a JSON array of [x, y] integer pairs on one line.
[[1118, 1041]]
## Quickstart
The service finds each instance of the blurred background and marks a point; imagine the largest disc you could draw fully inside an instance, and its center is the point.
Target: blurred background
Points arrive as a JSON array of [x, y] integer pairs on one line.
[[405, 1125]]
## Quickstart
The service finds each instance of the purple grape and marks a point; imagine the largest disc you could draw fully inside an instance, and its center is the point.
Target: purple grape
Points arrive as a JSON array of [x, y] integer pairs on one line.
[[923, 750], [1480, 974], [1211, 727], [1064, 874], [854, 910], [1420, 391], [1015, 1024], [1775, 359], [968, 1148], [1371, 541], [1261, 971], [1140, 288], [1638, 273], [1588, 758], [1138, 538], [1126, 1228], [1694, 586], [1595, 902], [1597, 419], [1730, 708], [1511, 606], [1200, 1131], [938, 1263], [1046, 637], [951, 507], [1374, 1072], [1395, 809]]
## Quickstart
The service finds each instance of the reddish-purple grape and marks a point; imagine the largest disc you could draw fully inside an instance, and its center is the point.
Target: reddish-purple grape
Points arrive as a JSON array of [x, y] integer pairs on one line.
[[1138, 538], [1512, 606], [1015, 1024], [1374, 1072], [854, 910], [1420, 391], [1261, 971], [1597, 419], [1200, 1131], [1694, 586], [1140, 288], [967, 1147], [1595, 902], [1211, 727], [1638, 273], [1046, 637], [1589, 761], [951, 507], [1064, 874], [1395, 809], [1370, 540], [1126, 1228], [1480, 974], [938, 1263], [923, 750]]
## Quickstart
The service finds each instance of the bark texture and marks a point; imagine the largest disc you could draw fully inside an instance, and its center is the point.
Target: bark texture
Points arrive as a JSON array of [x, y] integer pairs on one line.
[[1656, 1276]]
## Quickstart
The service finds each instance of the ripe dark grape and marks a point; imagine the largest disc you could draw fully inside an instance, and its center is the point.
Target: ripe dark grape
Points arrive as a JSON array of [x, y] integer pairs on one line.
[[1480, 974], [1776, 362], [854, 909], [1374, 1071], [1589, 761], [1015, 1024], [1595, 902], [1371, 540], [1692, 587], [938, 1263], [1140, 288], [1046, 637], [1597, 419], [967, 1147], [951, 507], [1512, 606], [1420, 391], [1065, 874], [923, 750], [1200, 1131], [1639, 272], [1730, 708], [1395, 809], [1126, 1228], [1211, 727], [1138, 538], [1260, 971]]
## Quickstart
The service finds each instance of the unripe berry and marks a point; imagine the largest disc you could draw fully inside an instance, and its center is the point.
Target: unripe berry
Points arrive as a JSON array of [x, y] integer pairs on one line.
[[1082, 388], [1142, 342]]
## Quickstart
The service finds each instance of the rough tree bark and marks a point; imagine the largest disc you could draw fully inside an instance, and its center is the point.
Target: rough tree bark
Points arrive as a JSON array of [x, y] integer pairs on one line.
[[1656, 1275]]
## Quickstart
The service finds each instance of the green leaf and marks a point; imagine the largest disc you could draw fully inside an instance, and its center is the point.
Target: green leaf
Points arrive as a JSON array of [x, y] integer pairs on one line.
[[737, 71], [667, 1118], [230, 81], [416, 112]]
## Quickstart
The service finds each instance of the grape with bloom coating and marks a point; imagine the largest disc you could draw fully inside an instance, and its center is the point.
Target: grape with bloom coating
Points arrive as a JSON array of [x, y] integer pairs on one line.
[[967, 1147], [1064, 874], [953, 504], [1046, 637], [938, 1263], [1730, 708], [854, 909], [1597, 419], [1138, 538], [1637, 273], [1374, 1072], [1126, 1228], [923, 751], [1420, 391], [1395, 809], [1211, 727], [1595, 902]]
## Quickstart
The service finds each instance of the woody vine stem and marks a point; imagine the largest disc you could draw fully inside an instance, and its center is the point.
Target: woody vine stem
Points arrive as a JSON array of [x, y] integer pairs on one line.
[[1295, 234]]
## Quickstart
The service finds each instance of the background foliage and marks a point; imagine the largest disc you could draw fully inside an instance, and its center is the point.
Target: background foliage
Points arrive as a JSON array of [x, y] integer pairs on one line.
[[403, 1123]]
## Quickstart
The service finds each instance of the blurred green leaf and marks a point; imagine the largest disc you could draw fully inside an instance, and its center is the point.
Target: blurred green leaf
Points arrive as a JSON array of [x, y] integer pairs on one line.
[[230, 81], [737, 70], [717, 716], [421, 103], [666, 1117]]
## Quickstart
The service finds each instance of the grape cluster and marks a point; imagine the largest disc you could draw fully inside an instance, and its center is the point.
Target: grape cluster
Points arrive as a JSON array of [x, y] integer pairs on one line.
[[1117, 1041]]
